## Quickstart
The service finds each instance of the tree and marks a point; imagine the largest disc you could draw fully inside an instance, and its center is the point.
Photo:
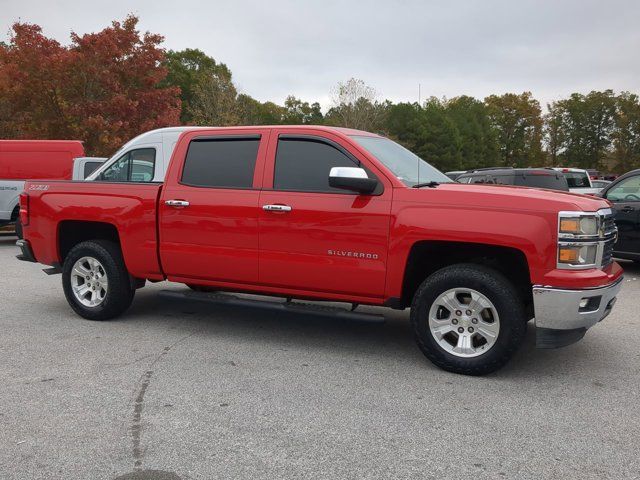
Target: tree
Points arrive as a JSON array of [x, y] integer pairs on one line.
[[586, 124], [299, 112], [478, 140], [518, 122], [104, 88], [626, 135], [190, 69], [354, 105], [214, 100]]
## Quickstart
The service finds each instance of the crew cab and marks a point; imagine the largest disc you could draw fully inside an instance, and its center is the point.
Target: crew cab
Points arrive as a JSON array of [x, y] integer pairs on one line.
[[338, 215]]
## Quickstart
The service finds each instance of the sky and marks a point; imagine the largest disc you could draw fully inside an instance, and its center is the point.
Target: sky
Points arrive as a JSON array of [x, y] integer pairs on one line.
[[304, 48]]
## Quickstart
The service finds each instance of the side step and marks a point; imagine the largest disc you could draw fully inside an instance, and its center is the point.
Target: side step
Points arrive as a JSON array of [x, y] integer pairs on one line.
[[274, 305]]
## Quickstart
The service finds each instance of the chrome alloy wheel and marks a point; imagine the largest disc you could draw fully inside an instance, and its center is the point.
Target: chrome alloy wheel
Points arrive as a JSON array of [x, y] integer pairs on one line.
[[89, 282], [464, 322]]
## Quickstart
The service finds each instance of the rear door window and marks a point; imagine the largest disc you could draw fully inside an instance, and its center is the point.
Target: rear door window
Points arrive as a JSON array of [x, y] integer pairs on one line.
[[221, 162]]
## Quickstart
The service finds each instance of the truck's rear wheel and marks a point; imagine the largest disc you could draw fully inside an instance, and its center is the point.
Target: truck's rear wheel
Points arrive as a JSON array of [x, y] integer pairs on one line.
[[468, 319], [95, 280]]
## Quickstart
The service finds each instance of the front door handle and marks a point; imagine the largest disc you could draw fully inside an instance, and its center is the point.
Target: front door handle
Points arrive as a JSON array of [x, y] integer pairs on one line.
[[628, 209], [176, 203], [276, 208]]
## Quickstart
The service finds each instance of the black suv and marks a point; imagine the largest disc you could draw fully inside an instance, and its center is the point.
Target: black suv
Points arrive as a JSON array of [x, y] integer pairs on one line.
[[521, 177]]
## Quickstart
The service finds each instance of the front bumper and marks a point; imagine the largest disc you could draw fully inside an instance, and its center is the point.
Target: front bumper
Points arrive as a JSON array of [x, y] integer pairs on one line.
[[560, 318]]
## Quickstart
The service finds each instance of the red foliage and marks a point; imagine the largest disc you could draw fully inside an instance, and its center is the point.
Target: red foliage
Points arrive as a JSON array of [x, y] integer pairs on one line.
[[102, 88]]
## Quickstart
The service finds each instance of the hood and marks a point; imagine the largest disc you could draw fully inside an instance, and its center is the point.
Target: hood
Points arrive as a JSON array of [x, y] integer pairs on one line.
[[504, 196]]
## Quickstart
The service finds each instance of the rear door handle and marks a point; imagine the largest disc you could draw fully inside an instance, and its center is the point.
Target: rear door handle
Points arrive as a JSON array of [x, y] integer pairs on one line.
[[176, 203], [277, 208]]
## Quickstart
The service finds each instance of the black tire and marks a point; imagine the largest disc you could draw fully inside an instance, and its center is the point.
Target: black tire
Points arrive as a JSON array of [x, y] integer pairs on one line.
[[497, 289], [119, 293]]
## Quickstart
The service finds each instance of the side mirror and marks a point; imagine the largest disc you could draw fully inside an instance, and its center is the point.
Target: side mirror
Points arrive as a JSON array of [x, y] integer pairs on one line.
[[352, 178]]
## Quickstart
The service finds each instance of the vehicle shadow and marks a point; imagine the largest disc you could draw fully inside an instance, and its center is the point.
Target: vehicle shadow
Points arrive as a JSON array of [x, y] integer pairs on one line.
[[378, 342], [8, 238]]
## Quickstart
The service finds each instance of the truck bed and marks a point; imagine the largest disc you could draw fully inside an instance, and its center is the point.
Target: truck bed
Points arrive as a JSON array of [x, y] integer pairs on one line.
[[130, 208]]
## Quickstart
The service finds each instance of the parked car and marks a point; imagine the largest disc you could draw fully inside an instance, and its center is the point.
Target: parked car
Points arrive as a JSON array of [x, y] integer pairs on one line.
[[578, 180], [339, 215], [522, 177], [600, 183], [454, 174], [624, 195], [22, 160]]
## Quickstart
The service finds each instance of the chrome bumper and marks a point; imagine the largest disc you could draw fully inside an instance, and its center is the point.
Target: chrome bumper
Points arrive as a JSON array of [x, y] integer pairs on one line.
[[559, 311]]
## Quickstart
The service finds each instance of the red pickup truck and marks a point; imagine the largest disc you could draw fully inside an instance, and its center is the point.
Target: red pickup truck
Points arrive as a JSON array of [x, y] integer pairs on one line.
[[339, 215]]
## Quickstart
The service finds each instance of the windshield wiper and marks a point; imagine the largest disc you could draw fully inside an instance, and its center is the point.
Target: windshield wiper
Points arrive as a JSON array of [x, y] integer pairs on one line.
[[426, 184]]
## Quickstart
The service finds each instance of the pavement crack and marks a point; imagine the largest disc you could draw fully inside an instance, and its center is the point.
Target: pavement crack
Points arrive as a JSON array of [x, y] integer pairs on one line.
[[138, 406]]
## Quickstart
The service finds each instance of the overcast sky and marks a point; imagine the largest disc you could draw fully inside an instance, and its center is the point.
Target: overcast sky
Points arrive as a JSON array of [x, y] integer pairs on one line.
[[451, 47]]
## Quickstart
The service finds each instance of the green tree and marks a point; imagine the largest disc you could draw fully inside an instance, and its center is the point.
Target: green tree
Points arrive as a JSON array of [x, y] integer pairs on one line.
[[298, 112], [517, 120], [214, 101], [192, 70], [478, 140], [585, 125], [626, 134]]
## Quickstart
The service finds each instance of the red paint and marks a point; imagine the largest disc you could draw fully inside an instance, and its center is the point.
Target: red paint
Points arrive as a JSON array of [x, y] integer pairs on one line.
[[38, 159], [330, 246]]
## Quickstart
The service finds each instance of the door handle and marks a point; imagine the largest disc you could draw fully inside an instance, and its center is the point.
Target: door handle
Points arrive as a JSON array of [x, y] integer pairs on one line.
[[176, 203], [628, 209], [277, 208]]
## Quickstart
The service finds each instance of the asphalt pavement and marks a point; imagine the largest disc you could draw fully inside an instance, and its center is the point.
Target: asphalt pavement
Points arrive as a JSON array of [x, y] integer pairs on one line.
[[187, 390]]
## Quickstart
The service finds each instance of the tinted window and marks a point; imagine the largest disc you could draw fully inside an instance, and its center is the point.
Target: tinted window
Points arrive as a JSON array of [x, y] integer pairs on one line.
[[577, 180], [226, 163], [627, 190], [90, 167], [552, 182], [304, 165], [134, 166]]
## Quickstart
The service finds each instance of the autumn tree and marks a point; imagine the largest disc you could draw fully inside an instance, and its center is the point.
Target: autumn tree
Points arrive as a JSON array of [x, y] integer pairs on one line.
[[103, 88], [517, 120], [298, 112]]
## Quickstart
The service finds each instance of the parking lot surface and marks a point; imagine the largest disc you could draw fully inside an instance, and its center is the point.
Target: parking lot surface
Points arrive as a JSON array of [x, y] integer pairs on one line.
[[182, 390]]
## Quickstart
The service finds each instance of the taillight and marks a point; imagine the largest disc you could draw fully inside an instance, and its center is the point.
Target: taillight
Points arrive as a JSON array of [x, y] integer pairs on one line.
[[24, 209]]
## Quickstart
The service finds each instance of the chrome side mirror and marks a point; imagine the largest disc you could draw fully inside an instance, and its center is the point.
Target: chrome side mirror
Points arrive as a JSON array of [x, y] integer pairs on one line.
[[352, 178]]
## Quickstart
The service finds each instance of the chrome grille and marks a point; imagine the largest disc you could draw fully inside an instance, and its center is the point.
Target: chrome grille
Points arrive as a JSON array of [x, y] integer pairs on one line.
[[610, 236]]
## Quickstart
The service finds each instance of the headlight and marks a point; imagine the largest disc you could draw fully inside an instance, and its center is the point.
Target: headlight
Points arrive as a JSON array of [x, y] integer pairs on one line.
[[577, 255], [579, 225]]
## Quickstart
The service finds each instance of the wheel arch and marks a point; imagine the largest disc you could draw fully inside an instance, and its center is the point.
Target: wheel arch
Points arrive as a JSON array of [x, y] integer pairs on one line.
[[73, 232], [428, 256]]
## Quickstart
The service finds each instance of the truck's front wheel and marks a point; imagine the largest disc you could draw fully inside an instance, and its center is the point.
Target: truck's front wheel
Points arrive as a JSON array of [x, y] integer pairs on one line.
[[468, 319], [95, 280]]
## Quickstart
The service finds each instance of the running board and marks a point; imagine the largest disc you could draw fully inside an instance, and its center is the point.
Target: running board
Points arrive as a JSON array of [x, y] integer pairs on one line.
[[274, 305]]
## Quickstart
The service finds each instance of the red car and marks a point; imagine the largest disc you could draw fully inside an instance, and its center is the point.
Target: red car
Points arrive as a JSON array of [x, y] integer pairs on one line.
[[340, 215]]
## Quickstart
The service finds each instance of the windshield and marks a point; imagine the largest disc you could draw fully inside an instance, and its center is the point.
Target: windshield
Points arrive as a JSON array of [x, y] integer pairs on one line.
[[409, 168]]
